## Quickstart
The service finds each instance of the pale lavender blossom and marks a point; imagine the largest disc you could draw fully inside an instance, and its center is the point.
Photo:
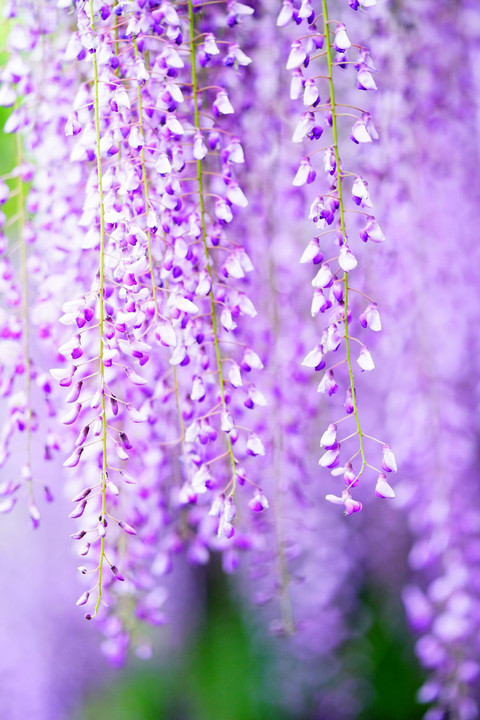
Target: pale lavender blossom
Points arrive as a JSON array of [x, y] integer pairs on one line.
[[224, 294]]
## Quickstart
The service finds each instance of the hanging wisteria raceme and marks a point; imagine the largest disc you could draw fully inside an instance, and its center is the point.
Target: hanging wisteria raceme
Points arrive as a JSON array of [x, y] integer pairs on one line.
[[436, 441], [158, 172], [133, 249], [332, 286], [156, 228], [146, 197], [29, 84], [142, 297], [298, 583]]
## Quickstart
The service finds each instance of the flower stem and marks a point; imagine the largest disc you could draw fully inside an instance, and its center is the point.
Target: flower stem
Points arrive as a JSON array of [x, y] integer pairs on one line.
[[195, 91], [25, 329], [342, 226], [102, 312], [145, 186]]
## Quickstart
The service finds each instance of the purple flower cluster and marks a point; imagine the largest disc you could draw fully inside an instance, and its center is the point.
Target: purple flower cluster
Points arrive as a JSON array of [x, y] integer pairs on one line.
[[433, 129], [329, 212], [161, 367], [25, 382], [131, 215], [157, 332]]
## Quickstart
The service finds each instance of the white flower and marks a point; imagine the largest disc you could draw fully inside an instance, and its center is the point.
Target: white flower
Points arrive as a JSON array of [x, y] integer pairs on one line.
[[222, 104], [383, 489], [329, 436], [255, 445], [236, 195], [365, 360], [342, 41], [313, 358], [323, 278], [297, 56], [347, 259], [389, 464]]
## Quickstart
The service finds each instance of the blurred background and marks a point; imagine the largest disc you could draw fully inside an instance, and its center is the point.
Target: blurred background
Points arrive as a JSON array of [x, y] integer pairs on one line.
[[216, 659]]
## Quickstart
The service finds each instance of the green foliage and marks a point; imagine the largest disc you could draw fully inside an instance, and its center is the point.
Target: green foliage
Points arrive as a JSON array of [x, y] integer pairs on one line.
[[395, 673], [221, 676]]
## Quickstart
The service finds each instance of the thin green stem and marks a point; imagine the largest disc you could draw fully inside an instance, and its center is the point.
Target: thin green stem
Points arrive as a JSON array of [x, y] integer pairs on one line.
[[102, 313], [145, 186], [25, 330], [342, 226], [195, 92]]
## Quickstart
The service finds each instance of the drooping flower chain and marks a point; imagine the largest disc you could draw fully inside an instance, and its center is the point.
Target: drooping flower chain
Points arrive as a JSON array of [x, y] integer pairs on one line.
[[332, 288], [290, 566], [26, 78], [442, 597], [134, 128]]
